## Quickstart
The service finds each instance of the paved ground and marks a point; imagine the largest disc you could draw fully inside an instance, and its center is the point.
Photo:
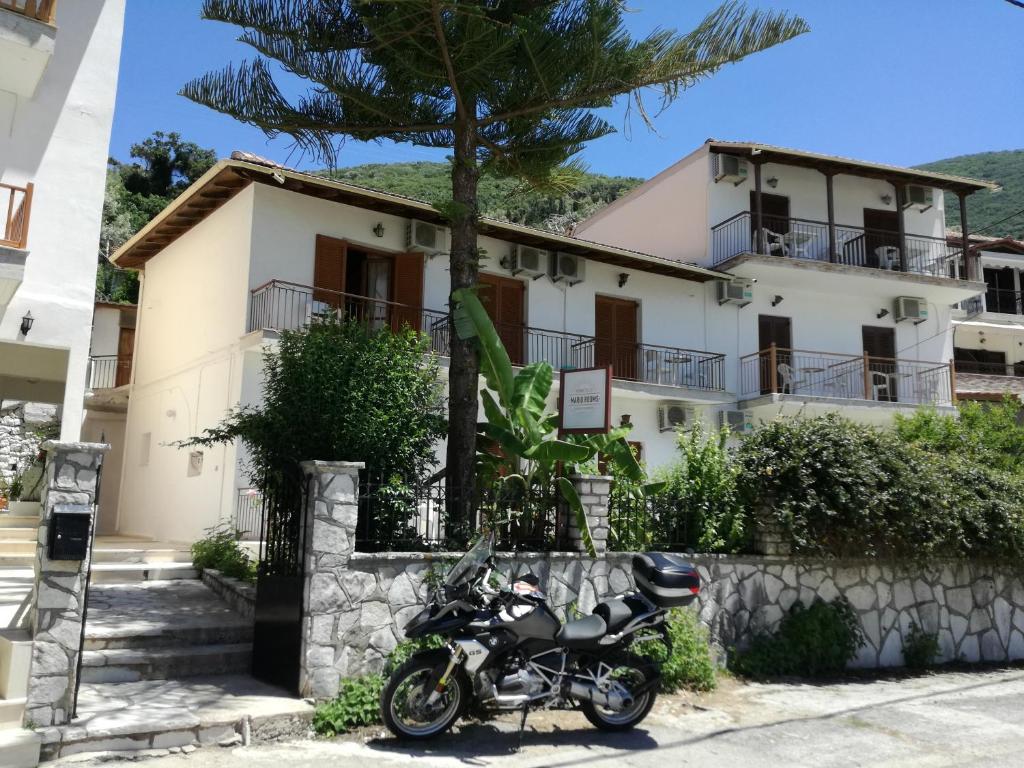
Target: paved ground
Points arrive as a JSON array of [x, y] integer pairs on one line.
[[950, 719], [15, 590]]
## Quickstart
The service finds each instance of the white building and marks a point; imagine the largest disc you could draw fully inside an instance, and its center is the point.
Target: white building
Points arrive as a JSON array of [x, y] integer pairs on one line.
[[58, 77], [990, 327], [251, 249]]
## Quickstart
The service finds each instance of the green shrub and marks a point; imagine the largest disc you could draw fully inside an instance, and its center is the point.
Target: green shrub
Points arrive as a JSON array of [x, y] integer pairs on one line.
[[357, 704], [219, 550], [920, 648], [810, 642], [689, 664], [405, 649]]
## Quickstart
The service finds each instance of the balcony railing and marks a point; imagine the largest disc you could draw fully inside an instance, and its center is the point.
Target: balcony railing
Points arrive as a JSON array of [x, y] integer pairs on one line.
[[40, 10], [990, 369], [854, 246], [108, 372], [249, 514], [15, 207], [280, 305], [851, 377]]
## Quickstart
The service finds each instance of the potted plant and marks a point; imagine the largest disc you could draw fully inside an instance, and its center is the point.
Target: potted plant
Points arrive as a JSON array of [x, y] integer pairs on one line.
[[23, 493]]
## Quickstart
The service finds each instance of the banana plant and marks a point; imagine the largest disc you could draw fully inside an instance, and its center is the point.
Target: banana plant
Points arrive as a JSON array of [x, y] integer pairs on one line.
[[518, 449]]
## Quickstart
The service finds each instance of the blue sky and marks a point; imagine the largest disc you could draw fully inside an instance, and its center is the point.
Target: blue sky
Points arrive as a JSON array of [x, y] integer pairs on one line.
[[894, 81]]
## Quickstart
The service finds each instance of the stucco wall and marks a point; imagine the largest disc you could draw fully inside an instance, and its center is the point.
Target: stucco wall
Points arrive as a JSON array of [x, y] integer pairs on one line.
[[58, 140]]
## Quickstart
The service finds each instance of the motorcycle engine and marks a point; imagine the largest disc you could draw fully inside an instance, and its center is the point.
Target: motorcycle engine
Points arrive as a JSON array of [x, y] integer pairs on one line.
[[522, 682]]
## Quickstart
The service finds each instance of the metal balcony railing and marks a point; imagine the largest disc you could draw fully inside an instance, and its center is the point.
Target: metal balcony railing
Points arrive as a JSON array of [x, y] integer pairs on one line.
[[279, 305], [854, 246], [968, 367], [108, 372], [15, 207], [40, 10], [851, 377]]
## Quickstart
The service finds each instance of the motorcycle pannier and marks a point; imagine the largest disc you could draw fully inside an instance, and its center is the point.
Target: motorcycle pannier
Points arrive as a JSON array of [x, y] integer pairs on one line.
[[665, 580]]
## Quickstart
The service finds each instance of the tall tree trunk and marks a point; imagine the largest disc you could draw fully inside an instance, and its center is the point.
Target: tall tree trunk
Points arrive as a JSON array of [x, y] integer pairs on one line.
[[464, 370]]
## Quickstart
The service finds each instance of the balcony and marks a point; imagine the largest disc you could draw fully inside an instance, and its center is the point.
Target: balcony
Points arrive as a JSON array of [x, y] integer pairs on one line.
[[801, 373], [279, 305], [852, 246], [999, 300], [27, 40], [108, 372]]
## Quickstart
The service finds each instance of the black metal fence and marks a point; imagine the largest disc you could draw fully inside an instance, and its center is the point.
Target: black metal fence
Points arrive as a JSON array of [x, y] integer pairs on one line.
[[399, 517], [651, 523]]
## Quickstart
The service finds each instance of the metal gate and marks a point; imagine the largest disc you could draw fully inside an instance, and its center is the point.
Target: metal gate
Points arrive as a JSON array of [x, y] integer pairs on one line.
[[277, 634]]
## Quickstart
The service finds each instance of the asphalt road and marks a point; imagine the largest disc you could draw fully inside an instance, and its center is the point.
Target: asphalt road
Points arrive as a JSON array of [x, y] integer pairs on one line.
[[948, 719]]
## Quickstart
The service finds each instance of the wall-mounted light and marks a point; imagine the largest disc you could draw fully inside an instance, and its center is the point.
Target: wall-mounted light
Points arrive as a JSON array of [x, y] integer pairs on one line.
[[625, 420], [378, 230], [773, 182], [623, 278], [887, 199], [882, 313], [26, 323], [776, 300]]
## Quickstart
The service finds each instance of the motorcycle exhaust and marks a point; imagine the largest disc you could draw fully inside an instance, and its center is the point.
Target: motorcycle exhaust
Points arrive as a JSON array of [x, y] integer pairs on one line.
[[590, 692]]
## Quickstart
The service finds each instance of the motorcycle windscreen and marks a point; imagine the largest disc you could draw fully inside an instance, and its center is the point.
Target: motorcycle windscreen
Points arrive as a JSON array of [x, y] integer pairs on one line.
[[471, 562]]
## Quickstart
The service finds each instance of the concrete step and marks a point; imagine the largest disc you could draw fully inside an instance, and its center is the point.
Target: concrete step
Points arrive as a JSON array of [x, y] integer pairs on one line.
[[125, 665], [128, 573], [19, 521], [19, 748], [18, 534], [12, 711], [120, 554], [18, 546], [170, 636]]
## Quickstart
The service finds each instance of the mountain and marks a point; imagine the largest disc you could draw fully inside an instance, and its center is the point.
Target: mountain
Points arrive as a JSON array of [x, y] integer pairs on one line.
[[985, 208], [499, 198]]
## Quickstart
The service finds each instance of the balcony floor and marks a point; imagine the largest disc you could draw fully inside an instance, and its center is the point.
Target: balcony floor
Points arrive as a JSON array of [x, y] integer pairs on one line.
[[766, 407]]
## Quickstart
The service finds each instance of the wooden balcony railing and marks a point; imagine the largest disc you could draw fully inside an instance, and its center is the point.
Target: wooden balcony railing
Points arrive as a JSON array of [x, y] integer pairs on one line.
[[854, 246], [850, 377], [40, 10], [15, 207], [280, 305]]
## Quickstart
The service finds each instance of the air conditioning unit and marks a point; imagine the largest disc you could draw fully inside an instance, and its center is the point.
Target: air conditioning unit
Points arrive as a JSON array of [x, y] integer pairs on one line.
[[739, 292], [731, 168], [428, 238], [568, 268], [916, 196], [737, 422], [532, 262], [910, 308], [674, 415]]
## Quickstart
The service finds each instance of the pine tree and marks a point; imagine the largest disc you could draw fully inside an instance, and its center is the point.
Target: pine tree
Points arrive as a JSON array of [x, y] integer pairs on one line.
[[507, 85]]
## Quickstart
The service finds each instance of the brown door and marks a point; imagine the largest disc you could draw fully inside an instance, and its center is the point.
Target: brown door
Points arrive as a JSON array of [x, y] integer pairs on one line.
[[329, 271], [407, 291], [882, 381], [881, 236], [125, 353], [774, 211], [773, 329], [504, 300], [615, 331]]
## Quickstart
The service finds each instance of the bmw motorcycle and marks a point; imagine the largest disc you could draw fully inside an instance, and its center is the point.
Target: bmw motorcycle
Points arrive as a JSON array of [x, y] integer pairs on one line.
[[506, 650]]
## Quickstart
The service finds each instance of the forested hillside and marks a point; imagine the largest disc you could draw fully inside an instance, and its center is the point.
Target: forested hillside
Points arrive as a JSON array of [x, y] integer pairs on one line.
[[985, 208], [499, 198]]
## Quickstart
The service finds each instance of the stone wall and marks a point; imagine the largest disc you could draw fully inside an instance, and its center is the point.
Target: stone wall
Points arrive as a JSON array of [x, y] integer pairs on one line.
[[19, 443]]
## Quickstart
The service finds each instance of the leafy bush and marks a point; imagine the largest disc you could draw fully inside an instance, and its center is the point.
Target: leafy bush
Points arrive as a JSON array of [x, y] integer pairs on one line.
[[689, 664], [844, 489], [219, 550], [405, 649], [357, 704], [814, 641], [920, 648]]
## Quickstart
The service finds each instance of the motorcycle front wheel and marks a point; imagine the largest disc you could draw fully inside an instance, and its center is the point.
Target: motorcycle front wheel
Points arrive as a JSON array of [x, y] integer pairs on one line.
[[404, 705], [630, 672]]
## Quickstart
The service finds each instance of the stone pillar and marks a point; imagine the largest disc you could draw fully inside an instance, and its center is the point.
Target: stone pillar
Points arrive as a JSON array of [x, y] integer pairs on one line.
[[59, 589], [593, 491], [332, 509], [771, 538]]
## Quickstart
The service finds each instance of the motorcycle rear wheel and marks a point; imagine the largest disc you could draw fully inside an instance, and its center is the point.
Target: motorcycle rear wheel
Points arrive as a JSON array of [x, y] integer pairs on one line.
[[631, 672], [403, 705]]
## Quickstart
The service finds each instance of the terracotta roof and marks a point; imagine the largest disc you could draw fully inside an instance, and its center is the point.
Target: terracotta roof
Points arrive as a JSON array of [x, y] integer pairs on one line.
[[987, 243], [228, 177]]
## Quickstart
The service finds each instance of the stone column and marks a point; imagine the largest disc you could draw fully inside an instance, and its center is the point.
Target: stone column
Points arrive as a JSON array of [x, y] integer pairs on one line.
[[59, 589], [332, 509], [771, 538], [593, 491]]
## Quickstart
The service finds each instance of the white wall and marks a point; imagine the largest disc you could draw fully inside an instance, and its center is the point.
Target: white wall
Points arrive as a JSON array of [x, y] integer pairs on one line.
[[107, 427], [58, 140], [106, 331]]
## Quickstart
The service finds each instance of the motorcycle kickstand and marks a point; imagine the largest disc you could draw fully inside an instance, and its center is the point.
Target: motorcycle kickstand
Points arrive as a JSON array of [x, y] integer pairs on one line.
[[522, 726]]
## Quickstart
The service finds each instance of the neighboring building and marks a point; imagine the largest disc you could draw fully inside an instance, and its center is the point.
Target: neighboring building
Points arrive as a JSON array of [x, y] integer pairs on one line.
[[846, 267], [990, 326], [253, 248], [58, 76]]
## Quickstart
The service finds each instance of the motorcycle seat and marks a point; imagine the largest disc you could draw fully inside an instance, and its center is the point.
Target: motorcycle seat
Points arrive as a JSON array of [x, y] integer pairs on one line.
[[582, 633], [618, 613]]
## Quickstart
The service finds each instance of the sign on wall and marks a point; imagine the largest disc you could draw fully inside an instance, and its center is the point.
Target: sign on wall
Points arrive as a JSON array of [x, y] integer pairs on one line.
[[585, 400]]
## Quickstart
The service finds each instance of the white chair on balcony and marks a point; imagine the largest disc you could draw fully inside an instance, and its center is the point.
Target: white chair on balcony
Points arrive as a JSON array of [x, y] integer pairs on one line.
[[656, 368], [774, 243], [880, 385], [888, 256], [788, 378]]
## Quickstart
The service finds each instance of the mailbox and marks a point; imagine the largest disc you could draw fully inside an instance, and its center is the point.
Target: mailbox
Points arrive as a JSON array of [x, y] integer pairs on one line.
[[69, 535]]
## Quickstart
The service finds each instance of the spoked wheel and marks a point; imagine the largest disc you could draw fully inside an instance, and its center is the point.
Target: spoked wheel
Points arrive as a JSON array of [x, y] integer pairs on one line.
[[405, 706], [626, 675]]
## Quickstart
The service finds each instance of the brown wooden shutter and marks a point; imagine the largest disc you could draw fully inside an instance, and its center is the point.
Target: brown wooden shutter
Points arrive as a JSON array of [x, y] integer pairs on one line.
[[125, 353], [615, 329], [329, 270], [407, 290], [504, 300]]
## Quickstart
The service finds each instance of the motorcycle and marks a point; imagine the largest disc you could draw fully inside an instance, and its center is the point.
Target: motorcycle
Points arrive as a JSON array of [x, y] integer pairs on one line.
[[506, 650]]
